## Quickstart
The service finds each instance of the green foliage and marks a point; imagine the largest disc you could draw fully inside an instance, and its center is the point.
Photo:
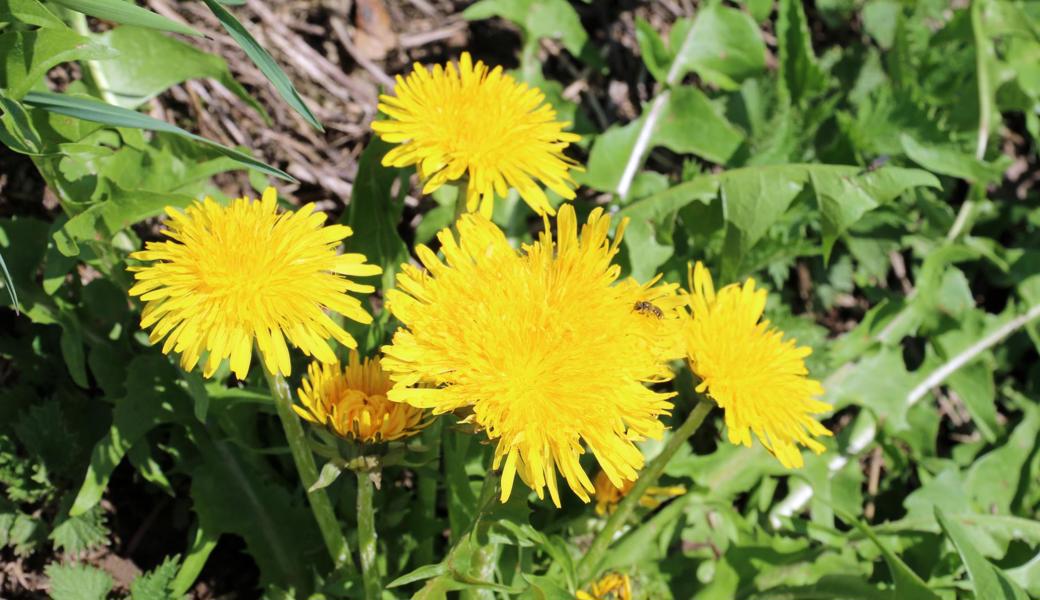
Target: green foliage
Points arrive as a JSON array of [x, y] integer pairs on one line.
[[871, 163]]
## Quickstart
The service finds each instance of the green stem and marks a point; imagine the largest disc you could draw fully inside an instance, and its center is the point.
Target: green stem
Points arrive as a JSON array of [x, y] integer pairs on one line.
[[367, 534], [485, 558], [427, 493], [331, 533], [588, 566]]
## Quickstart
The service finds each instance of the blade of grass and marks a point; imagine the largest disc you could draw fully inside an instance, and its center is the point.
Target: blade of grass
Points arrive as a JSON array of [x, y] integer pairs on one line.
[[126, 13], [10, 285], [89, 109], [263, 60]]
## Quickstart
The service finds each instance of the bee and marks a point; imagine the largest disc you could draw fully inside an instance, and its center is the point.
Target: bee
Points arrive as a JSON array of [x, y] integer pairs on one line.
[[648, 308]]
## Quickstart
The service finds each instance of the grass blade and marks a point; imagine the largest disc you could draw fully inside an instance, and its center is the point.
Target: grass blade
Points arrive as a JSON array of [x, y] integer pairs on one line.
[[126, 13], [10, 284], [89, 109], [264, 61]]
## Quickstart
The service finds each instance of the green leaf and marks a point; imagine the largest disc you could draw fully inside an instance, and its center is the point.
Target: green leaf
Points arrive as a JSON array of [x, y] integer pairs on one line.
[[555, 19], [72, 350], [127, 13], [800, 75], [150, 62], [26, 56], [203, 543], [29, 12], [993, 479], [374, 213], [422, 573], [988, 581], [691, 124], [723, 45], [156, 584], [78, 582], [907, 583], [263, 60], [80, 533], [232, 493], [948, 160], [89, 109], [152, 398]]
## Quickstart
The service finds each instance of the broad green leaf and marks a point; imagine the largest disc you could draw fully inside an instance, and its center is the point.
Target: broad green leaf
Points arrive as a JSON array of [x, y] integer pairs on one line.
[[232, 493], [127, 13], [655, 54], [263, 60], [149, 62], [988, 581], [800, 75], [844, 199], [993, 479], [89, 109], [947, 160], [690, 124], [555, 19], [374, 213], [29, 12], [17, 130], [202, 545], [829, 587], [723, 45], [77, 534], [152, 398], [72, 350], [78, 582], [907, 583], [610, 151], [26, 56]]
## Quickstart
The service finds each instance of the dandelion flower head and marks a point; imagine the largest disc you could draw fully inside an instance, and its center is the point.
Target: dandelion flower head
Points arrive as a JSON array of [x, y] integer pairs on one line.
[[231, 276], [544, 346], [612, 586], [351, 401], [609, 495], [758, 378], [469, 120]]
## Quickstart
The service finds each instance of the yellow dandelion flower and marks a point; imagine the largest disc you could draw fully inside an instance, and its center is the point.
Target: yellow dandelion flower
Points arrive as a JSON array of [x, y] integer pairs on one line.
[[351, 401], [467, 119], [232, 275], [757, 377], [609, 495], [612, 586], [544, 345]]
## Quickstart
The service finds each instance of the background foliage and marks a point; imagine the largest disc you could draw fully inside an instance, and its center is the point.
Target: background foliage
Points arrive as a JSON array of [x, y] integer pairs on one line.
[[873, 162]]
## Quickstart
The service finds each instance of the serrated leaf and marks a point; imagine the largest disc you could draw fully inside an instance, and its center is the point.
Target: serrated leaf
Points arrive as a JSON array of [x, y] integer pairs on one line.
[[89, 109], [264, 61], [156, 584], [555, 19], [127, 13], [988, 581], [800, 75], [949, 160], [83, 532], [78, 582]]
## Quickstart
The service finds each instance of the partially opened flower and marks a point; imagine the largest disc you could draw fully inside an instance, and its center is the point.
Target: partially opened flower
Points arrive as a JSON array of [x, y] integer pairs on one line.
[[609, 495], [758, 378], [467, 120], [231, 276], [351, 401], [549, 350], [612, 586]]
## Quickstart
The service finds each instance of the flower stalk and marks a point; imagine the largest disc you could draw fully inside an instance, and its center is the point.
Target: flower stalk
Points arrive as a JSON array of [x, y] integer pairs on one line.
[[367, 532], [321, 506], [590, 563]]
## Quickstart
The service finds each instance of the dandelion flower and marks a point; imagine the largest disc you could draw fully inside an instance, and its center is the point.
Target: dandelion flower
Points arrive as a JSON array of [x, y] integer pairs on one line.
[[233, 275], [469, 120], [545, 346], [612, 586], [609, 495], [757, 377], [351, 401]]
